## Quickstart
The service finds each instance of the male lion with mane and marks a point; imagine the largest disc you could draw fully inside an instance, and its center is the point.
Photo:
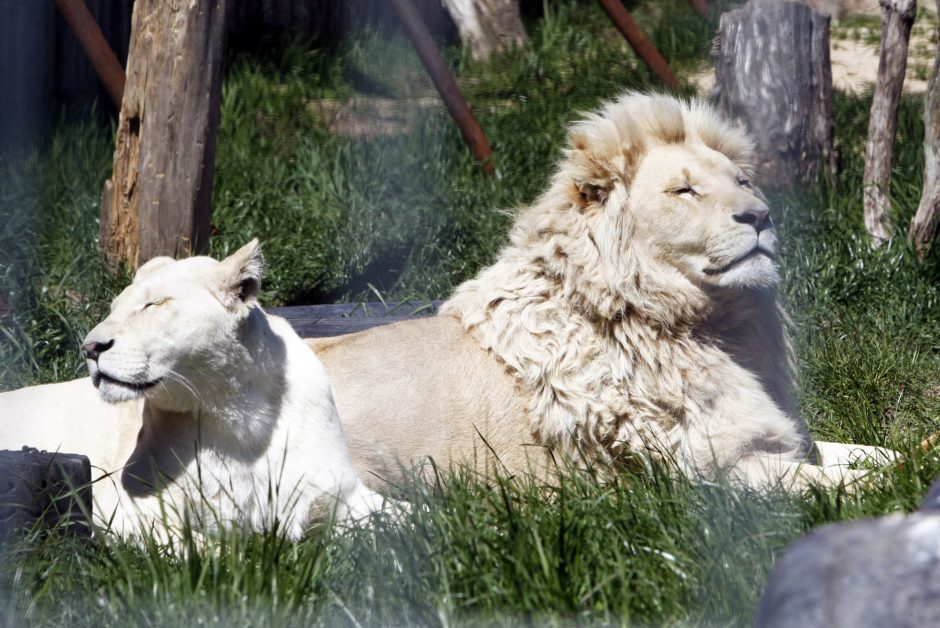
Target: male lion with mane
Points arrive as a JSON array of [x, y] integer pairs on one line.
[[634, 308]]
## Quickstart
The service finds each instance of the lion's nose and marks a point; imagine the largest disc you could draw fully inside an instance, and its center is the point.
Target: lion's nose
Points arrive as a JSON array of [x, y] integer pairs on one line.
[[94, 349], [758, 217]]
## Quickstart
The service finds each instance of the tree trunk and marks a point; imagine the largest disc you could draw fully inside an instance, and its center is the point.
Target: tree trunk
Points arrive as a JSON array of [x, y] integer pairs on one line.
[[487, 26], [897, 17], [158, 200], [774, 76], [924, 225]]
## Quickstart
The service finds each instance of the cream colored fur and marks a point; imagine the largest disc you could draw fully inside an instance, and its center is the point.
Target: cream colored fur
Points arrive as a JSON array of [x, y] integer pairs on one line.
[[202, 402], [633, 309]]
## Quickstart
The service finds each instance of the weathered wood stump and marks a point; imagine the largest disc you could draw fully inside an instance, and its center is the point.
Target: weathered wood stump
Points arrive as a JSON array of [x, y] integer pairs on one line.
[[774, 76], [897, 17], [158, 200], [52, 489]]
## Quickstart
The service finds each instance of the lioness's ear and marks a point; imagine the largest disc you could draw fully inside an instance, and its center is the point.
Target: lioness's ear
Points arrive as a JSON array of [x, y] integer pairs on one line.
[[246, 266], [152, 265]]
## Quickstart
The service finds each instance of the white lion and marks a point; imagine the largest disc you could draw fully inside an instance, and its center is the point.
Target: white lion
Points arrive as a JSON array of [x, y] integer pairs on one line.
[[203, 402], [633, 309]]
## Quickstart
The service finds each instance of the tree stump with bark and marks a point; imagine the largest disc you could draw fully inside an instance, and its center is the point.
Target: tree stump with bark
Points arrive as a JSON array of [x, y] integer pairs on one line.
[[158, 200], [924, 225], [487, 26], [897, 17], [773, 75]]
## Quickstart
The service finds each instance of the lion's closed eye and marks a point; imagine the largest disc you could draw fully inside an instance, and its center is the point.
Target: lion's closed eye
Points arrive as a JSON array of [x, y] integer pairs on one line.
[[686, 191], [155, 302]]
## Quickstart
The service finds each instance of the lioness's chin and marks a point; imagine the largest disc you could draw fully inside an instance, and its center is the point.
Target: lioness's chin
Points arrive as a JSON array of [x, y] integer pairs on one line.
[[757, 271], [115, 391]]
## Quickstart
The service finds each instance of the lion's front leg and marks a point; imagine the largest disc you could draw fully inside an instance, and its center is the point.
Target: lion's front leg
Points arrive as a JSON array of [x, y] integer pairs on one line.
[[845, 454], [767, 470]]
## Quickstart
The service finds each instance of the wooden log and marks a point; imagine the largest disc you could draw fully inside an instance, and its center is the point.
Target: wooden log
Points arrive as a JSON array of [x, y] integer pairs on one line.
[[897, 17], [923, 227], [52, 489], [774, 76], [318, 321], [487, 26], [158, 200]]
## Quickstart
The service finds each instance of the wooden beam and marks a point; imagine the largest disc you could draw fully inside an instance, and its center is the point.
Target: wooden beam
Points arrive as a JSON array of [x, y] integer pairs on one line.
[[444, 81], [91, 39], [640, 43], [317, 321], [158, 200]]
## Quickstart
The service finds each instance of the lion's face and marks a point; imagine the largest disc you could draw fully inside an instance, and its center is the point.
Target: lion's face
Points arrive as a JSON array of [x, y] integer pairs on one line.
[[698, 212], [174, 329]]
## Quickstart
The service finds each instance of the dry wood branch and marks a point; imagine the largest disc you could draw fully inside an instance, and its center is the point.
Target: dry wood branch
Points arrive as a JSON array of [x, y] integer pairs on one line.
[[924, 225], [897, 17]]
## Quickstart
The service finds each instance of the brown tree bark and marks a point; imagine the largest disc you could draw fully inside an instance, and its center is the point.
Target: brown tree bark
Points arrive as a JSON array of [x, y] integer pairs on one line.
[[158, 200], [924, 225], [487, 26], [897, 17], [774, 76]]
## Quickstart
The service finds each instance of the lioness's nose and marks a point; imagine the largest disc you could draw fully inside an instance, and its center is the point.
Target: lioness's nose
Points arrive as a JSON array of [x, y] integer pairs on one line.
[[759, 217], [95, 349]]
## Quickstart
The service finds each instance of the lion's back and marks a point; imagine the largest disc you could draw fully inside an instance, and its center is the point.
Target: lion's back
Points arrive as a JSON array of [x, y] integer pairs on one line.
[[423, 388]]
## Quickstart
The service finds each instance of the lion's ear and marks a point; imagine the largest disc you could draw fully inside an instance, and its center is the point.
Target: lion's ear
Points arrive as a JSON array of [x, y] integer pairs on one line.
[[152, 265], [244, 270], [593, 192]]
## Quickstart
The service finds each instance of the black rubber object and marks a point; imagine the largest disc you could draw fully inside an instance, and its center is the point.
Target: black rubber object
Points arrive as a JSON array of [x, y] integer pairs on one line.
[[50, 489]]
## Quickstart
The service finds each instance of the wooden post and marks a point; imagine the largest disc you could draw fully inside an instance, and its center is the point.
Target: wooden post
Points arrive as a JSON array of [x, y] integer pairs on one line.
[[487, 26], [640, 43], [774, 76], [924, 225], [158, 200], [897, 17], [444, 81]]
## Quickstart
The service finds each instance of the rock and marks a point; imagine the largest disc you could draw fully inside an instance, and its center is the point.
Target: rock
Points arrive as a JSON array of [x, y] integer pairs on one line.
[[875, 572]]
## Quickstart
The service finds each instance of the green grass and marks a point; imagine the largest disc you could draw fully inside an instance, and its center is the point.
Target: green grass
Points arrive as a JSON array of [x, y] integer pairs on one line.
[[411, 215]]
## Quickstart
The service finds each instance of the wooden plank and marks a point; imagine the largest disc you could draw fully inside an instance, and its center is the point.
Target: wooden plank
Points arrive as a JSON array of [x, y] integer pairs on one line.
[[320, 321], [158, 200], [47, 487]]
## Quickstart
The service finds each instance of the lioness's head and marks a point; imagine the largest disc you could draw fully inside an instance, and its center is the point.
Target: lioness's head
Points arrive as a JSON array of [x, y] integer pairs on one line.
[[663, 188], [177, 321]]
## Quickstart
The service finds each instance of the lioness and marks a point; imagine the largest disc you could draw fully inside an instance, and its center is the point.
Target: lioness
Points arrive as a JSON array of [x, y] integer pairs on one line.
[[633, 309], [199, 400]]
